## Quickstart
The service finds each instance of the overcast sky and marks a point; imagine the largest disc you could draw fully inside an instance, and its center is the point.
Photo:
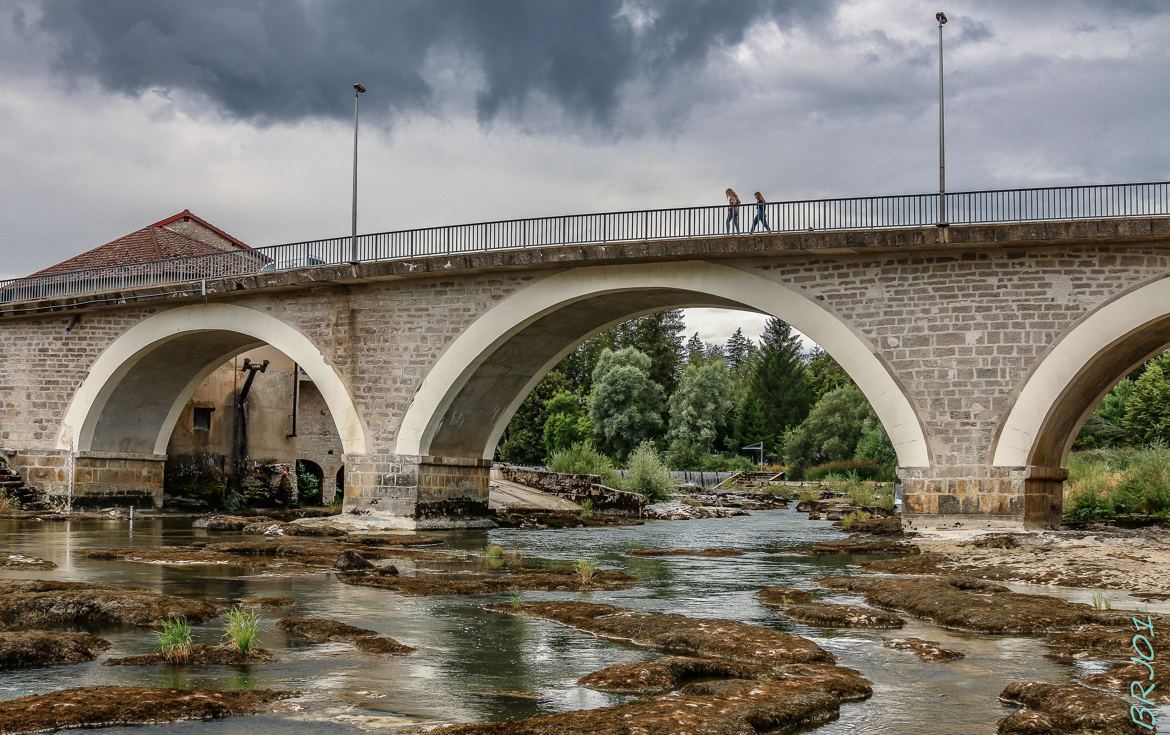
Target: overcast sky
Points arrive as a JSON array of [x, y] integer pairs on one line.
[[115, 114]]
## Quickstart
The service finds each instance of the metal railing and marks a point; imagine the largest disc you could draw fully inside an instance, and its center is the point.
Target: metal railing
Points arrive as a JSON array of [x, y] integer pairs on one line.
[[860, 213]]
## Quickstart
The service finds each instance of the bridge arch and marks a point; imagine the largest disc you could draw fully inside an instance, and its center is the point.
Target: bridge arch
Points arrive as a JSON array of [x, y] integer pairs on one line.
[[469, 395], [1078, 371], [136, 389]]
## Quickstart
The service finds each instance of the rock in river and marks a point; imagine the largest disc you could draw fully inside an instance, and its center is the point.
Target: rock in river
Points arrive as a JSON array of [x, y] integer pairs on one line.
[[125, 705], [1065, 709], [800, 606], [968, 604], [925, 650], [34, 603], [36, 648], [351, 561], [322, 630]]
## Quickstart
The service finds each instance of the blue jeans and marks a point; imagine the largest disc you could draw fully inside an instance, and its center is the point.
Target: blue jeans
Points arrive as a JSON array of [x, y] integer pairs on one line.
[[761, 218], [733, 218]]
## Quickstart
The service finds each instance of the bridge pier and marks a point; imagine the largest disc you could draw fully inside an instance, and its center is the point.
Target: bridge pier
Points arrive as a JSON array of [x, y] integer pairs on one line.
[[976, 496], [422, 492]]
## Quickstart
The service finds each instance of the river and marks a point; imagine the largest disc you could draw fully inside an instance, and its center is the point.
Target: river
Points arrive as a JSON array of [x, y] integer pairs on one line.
[[475, 665]]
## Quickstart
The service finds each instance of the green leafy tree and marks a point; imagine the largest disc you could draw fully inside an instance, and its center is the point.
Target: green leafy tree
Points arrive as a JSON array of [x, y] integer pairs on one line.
[[659, 337], [1106, 426], [567, 424], [832, 431], [749, 423], [780, 381], [1147, 412], [524, 438], [625, 404], [824, 373], [699, 412]]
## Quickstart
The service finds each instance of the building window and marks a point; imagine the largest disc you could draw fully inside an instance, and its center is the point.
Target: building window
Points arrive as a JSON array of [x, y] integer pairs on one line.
[[201, 418]]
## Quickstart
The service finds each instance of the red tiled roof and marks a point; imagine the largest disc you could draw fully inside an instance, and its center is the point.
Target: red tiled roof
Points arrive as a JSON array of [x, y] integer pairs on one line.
[[155, 242]]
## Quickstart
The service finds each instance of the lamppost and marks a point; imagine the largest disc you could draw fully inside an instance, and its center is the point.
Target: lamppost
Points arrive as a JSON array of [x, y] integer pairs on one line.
[[941, 17], [358, 90]]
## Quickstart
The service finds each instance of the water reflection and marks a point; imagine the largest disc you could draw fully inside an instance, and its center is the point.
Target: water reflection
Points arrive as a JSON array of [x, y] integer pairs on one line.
[[476, 665]]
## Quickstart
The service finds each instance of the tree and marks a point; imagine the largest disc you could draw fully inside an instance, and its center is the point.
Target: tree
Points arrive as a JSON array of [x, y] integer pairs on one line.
[[780, 382], [749, 423], [659, 337], [567, 424], [1147, 412], [1105, 427], [625, 404], [696, 350], [648, 474], [825, 373], [524, 438], [699, 412], [833, 429], [738, 349]]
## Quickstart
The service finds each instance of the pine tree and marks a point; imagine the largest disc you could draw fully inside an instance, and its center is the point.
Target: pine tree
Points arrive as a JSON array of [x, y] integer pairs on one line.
[[738, 349], [659, 337], [780, 382], [696, 350], [824, 373]]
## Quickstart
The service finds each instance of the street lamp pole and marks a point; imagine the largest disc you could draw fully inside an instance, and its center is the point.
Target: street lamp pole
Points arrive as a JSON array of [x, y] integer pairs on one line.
[[941, 17], [358, 90]]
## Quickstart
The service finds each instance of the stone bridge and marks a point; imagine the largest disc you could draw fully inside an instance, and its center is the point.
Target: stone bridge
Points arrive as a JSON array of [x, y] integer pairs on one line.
[[981, 347]]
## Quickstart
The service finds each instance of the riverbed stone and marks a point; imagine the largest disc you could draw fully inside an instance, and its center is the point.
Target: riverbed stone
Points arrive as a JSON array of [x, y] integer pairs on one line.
[[490, 583], [199, 654], [105, 706], [36, 648], [662, 675], [323, 630], [968, 604], [21, 562], [1065, 709], [351, 561], [34, 604], [924, 649]]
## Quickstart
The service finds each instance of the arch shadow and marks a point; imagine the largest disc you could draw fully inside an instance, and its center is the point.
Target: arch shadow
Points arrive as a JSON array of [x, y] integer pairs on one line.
[[137, 388]]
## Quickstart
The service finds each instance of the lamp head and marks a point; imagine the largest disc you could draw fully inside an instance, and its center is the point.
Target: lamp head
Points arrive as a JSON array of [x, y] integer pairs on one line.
[[941, 17], [362, 90]]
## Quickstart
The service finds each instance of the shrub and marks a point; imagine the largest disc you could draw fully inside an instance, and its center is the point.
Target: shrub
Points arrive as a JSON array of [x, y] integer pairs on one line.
[[863, 493], [494, 552], [585, 570], [648, 475], [854, 516], [1101, 602], [582, 459], [308, 486], [174, 640], [865, 469], [1145, 487], [586, 508], [242, 629]]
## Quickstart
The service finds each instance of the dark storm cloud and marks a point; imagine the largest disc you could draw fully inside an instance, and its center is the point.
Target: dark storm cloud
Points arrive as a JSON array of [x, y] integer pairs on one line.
[[282, 61]]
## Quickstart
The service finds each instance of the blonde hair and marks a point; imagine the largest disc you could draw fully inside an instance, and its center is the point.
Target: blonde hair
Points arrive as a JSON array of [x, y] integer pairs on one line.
[[731, 193]]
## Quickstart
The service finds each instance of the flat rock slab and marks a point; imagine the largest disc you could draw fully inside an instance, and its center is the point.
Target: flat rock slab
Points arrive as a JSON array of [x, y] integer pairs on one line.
[[925, 650], [965, 603], [734, 707], [855, 546], [34, 604], [36, 648], [19, 561], [1065, 709], [548, 580], [664, 675], [678, 634], [200, 654], [802, 607], [106, 706], [323, 630], [712, 553]]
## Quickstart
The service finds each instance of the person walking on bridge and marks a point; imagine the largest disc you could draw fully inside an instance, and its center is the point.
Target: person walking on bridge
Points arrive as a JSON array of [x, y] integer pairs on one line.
[[732, 209], [761, 217]]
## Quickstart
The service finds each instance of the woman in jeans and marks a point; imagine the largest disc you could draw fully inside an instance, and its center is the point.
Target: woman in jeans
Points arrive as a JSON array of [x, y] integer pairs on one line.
[[732, 209], [761, 217]]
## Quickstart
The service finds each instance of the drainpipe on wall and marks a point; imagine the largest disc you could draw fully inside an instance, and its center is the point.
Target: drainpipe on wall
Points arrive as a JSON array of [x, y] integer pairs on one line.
[[296, 398]]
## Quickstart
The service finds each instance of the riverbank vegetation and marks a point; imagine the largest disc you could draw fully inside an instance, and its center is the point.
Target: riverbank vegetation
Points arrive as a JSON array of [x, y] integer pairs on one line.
[[1121, 460], [638, 392]]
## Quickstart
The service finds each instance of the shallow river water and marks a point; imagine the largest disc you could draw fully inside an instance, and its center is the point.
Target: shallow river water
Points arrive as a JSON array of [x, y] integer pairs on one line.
[[474, 665]]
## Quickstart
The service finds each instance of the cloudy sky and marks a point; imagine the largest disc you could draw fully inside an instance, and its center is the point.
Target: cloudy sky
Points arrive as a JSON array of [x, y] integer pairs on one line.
[[117, 113]]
